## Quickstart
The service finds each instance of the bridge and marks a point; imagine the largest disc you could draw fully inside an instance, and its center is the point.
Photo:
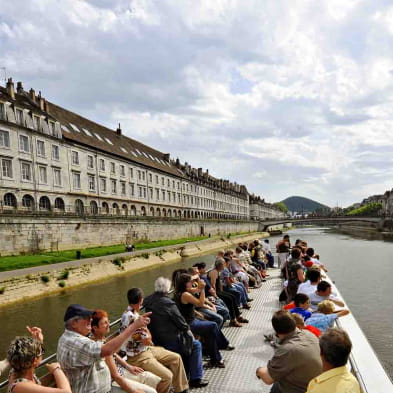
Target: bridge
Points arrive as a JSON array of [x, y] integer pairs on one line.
[[374, 221]]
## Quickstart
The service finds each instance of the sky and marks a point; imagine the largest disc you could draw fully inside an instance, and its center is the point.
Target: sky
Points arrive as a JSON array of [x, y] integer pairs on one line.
[[288, 97]]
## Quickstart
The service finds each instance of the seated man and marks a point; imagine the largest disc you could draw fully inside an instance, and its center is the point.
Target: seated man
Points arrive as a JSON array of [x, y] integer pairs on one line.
[[141, 352], [82, 358], [323, 292], [313, 277], [335, 349], [296, 359], [302, 303]]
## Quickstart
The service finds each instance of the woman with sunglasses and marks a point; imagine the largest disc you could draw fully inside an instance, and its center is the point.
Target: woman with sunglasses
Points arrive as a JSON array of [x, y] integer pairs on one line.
[[24, 356]]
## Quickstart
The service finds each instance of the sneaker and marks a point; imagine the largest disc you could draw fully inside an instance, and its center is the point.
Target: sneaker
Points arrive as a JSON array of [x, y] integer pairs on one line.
[[242, 320], [235, 324], [198, 383], [229, 348], [215, 364]]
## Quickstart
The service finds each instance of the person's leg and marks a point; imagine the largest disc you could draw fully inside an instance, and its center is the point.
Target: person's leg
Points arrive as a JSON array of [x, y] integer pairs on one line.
[[208, 330], [174, 362], [235, 292], [212, 316], [196, 366], [148, 362], [243, 293], [222, 309], [136, 384]]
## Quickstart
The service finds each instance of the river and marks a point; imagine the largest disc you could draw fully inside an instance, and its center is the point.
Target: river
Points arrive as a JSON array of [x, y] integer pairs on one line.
[[361, 269]]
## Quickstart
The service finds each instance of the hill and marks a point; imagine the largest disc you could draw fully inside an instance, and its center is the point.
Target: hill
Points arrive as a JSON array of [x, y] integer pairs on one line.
[[299, 204]]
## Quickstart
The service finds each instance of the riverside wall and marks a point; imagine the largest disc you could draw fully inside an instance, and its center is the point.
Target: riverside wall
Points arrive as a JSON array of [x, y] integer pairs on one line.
[[31, 234]]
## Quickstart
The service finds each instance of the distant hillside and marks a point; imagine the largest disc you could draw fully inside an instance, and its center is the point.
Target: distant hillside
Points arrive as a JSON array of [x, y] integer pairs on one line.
[[298, 204]]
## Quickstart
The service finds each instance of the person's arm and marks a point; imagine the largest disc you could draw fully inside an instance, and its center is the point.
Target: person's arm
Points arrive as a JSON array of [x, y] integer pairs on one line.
[[213, 278], [114, 345], [337, 301], [342, 313], [187, 298], [300, 275], [263, 373], [130, 368]]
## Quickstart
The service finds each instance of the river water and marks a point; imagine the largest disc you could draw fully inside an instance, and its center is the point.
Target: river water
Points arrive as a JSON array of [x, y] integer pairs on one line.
[[361, 268]]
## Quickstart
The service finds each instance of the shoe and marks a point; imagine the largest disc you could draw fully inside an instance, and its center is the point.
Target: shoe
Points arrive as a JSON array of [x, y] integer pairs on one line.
[[246, 307], [215, 364], [250, 300], [229, 348], [235, 324], [242, 320], [198, 383]]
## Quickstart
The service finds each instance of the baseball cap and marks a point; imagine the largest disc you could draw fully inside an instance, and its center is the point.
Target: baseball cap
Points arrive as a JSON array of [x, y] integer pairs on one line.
[[76, 310]]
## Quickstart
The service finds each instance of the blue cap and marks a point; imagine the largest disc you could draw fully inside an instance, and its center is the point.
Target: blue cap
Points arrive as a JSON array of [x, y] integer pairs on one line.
[[76, 310]]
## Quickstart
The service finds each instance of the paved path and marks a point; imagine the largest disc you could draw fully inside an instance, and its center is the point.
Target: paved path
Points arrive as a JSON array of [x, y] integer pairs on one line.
[[251, 350]]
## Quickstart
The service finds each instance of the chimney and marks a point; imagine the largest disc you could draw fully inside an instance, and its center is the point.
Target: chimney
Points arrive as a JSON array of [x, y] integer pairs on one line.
[[10, 88], [19, 88], [177, 162], [46, 106], [41, 102], [32, 95], [118, 130], [167, 156], [199, 172]]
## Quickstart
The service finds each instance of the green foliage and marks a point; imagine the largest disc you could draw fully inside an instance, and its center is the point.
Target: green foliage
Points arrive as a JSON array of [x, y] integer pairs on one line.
[[64, 275], [2, 290], [45, 279], [62, 284], [29, 277], [145, 255], [119, 261], [370, 208], [282, 206]]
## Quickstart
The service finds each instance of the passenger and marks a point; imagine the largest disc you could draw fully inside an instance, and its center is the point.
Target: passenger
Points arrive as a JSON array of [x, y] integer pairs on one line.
[[310, 253], [301, 325], [255, 275], [212, 336], [211, 294], [335, 348], [302, 303], [325, 316], [258, 257], [296, 359], [282, 248], [294, 274], [24, 356], [237, 270], [125, 377], [313, 277], [229, 298], [268, 252], [168, 326], [81, 358], [142, 353], [323, 292]]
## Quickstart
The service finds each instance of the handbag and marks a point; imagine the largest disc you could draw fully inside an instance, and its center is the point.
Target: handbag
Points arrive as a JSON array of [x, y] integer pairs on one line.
[[186, 340]]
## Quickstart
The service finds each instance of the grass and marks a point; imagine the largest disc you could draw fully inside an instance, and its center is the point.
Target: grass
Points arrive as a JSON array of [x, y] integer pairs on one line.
[[23, 261]]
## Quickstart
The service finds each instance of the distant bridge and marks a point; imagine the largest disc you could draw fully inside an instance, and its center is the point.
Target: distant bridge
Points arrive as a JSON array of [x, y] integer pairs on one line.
[[376, 222]]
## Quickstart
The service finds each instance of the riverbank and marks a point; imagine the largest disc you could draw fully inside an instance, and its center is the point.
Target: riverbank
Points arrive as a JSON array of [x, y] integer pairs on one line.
[[26, 284]]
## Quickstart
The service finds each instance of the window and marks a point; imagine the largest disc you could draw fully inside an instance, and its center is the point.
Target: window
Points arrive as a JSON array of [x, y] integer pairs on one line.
[[90, 162], [169, 196], [131, 173], [139, 175], [76, 180], [6, 166], [150, 178], [75, 158], [122, 170], [163, 195], [36, 122], [102, 164], [56, 177], [140, 192], [55, 152], [162, 181], [143, 176], [173, 184], [156, 179], [41, 148], [132, 189], [4, 138], [113, 168], [52, 128], [19, 116], [92, 182], [24, 143], [123, 188], [43, 174], [150, 193], [144, 192], [113, 186], [26, 171], [2, 111], [102, 184], [157, 194], [168, 183]]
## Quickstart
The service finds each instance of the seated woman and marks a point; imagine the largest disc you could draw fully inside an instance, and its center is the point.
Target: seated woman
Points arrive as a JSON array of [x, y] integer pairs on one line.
[[125, 377], [169, 329], [325, 316], [213, 338], [24, 356]]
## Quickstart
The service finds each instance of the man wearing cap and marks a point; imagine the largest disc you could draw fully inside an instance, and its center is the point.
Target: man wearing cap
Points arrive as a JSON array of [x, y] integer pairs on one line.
[[82, 358]]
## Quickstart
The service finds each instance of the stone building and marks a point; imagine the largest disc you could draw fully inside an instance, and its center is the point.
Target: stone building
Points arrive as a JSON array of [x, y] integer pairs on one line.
[[261, 210], [54, 161]]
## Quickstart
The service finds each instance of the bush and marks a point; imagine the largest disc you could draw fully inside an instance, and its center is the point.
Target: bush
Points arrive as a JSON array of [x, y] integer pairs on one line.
[[145, 255], [29, 277], [2, 290], [64, 275], [45, 279], [119, 261], [62, 284]]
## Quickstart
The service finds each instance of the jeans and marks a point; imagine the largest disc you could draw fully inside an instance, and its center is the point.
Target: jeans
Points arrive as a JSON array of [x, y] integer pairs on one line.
[[222, 309], [193, 363], [243, 292], [212, 316], [270, 259], [213, 338]]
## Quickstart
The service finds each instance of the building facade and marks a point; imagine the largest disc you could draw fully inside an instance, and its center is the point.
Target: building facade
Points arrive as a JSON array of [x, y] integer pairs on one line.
[[54, 161]]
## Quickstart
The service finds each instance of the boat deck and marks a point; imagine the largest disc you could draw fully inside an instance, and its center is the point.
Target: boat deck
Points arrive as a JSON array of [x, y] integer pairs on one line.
[[251, 349]]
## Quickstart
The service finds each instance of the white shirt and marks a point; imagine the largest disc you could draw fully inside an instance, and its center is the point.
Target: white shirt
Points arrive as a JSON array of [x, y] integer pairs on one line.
[[315, 299], [307, 288]]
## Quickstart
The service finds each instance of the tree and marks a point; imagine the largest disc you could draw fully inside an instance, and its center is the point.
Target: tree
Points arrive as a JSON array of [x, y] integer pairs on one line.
[[282, 206]]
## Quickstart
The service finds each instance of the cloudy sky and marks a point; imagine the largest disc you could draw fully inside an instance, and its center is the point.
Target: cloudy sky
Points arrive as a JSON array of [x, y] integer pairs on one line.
[[289, 97]]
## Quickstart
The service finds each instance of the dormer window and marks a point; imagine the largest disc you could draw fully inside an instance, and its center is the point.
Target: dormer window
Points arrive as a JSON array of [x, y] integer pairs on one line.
[[36, 122], [2, 111], [52, 128], [19, 116]]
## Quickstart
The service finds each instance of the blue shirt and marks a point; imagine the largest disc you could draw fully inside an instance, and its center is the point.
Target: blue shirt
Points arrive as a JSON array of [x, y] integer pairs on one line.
[[322, 321], [304, 313]]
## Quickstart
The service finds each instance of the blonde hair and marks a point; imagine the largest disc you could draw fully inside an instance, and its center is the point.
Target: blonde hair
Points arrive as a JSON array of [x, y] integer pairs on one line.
[[326, 307], [298, 319], [22, 352]]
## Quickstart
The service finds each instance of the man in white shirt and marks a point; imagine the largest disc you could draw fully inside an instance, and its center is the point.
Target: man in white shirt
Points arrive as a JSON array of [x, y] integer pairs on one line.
[[323, 292], [310, 286]]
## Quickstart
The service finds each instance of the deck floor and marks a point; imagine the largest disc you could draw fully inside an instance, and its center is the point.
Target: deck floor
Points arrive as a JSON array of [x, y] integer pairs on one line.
[[251, 350]]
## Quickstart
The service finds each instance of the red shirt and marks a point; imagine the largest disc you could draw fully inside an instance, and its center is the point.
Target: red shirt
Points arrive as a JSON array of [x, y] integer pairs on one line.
[[313, 329]]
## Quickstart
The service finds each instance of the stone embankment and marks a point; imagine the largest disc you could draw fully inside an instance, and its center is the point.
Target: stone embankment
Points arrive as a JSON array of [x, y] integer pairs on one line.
[[25, 284]]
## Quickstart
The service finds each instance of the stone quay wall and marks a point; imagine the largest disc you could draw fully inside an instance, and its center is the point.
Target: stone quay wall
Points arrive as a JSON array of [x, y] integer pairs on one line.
[[29, 234]]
